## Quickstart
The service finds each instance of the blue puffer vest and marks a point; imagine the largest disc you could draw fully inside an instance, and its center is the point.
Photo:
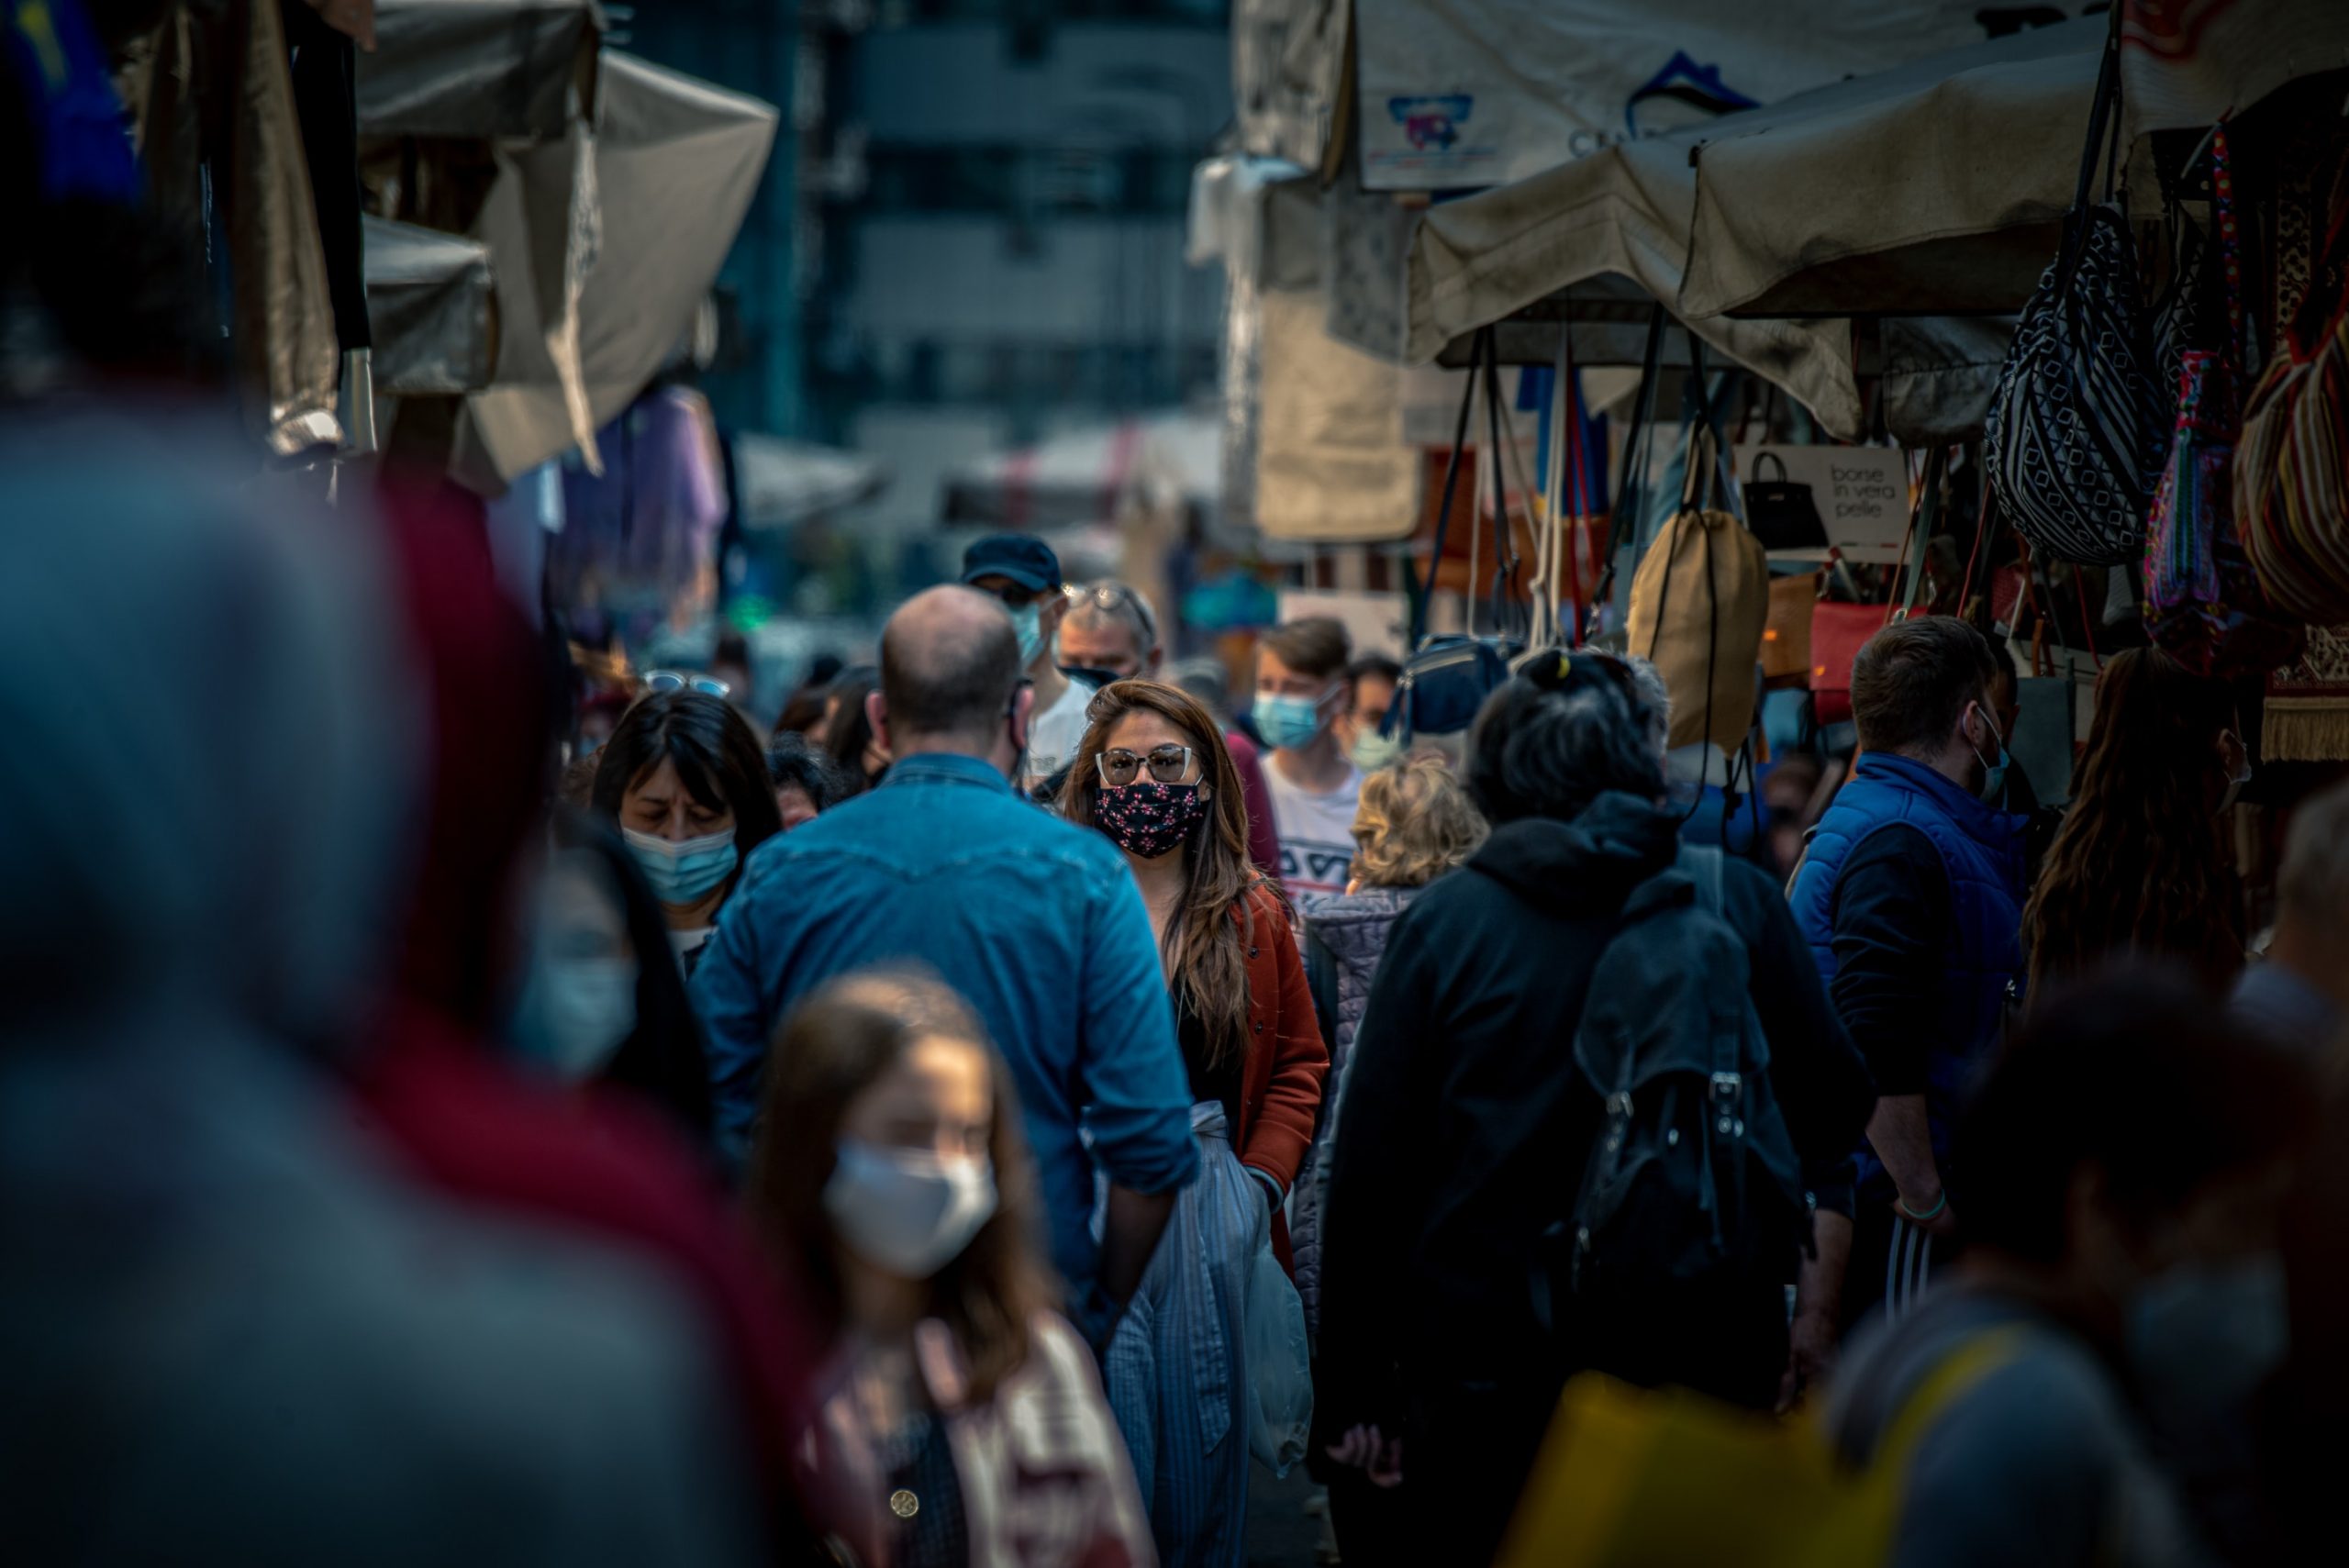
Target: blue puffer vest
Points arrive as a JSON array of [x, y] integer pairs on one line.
[[1981, 848]]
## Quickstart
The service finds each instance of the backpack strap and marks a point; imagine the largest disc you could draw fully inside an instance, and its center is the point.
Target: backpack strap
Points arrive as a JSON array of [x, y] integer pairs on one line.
[[1704, 862]]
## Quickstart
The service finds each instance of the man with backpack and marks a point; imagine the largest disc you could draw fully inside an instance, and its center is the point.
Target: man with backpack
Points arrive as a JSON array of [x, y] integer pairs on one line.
[[1590, 1076]]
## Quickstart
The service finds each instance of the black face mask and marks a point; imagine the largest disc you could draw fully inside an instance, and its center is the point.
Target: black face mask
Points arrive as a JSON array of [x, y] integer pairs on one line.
[[1091, 676]]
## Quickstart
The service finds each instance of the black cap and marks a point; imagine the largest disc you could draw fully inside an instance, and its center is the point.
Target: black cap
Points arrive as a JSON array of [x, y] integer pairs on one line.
[[1025, 560]]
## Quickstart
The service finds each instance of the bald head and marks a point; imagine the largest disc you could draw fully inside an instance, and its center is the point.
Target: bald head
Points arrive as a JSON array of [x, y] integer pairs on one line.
[[950, 660]]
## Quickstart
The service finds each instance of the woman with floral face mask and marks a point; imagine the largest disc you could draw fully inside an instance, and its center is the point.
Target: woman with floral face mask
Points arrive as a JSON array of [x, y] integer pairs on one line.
[[1152, 773], [685, 779], [961, 1420]]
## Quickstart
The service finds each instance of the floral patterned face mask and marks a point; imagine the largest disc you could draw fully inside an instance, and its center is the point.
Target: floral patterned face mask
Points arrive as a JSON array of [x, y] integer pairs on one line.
[[1149, 819]]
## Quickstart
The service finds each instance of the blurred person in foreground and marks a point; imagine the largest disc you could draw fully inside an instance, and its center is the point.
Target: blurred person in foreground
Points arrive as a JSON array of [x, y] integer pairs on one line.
[[1300, 691], [436, 1074], [1023, 574], [2300, 994], [1453, 1298], [1910, 894], [604, 1003], [1371, 681], [890, 1176], [250, 1333], [806, 782], [1415, 824], [2125, 1161], [683, 778], [1151, 775], [1034, 921], [2144, 864]]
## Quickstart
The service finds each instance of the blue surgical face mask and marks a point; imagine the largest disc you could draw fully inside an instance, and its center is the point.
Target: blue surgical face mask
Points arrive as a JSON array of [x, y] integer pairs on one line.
[[1029, 622], [1288, 723], [683, 874], [1993, 775], [1373, 751]]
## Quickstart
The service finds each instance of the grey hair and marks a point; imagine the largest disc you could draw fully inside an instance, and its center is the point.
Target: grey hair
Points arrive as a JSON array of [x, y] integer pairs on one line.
[[1649, 681], [1128, 607], [2314, 879]]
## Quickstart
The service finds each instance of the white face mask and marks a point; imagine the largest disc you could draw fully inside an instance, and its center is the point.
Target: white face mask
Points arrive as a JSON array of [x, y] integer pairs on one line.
[[586, 1007], [906, 1210]]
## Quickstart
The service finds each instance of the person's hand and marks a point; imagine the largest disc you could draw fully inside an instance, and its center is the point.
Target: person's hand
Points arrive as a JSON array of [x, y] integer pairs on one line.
[[1934, 1216], [1810, 1356], [1364, 1447]]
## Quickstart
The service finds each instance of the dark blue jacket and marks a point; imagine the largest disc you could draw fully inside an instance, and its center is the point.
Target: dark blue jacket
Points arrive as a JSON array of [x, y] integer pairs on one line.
[[1981, 853]]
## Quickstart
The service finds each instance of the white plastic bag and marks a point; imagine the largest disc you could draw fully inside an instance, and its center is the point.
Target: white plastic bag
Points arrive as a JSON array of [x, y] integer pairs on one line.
[[1279, 1369]]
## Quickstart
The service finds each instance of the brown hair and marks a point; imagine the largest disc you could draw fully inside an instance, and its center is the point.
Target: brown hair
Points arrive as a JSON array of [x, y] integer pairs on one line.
[[2140, 863], [1914, 678], [1207, 950], [836, 1045], [1316, 645], [1413, 823]]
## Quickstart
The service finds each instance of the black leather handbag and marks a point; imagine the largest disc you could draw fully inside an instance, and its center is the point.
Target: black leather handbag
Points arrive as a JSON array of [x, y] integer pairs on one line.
[[1780, 512]]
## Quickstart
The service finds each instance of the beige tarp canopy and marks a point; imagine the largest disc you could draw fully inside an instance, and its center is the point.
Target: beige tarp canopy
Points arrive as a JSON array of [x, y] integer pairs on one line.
[[1622, 213], [635, 216], [1940, 186], [506, 67]]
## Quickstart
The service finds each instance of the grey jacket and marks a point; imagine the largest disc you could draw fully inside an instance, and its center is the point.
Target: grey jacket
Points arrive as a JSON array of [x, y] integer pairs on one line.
[[1353, 928]]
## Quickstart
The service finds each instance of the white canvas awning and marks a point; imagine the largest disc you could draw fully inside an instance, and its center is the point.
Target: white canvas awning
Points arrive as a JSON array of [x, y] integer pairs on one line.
[[628, 221], [1466, 92], [1940, 186]]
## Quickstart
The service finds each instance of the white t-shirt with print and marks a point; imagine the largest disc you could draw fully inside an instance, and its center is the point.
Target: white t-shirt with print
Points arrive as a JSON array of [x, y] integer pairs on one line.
[[1316, 832]]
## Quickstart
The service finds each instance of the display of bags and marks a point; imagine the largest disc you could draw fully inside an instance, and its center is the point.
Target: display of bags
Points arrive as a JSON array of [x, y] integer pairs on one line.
[[1839, 630], [2078, 427], [2291, 466], [1700, 603]]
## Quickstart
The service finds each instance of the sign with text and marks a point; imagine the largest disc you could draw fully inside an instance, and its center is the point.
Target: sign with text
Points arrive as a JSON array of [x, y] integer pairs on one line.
[[1861, 494]]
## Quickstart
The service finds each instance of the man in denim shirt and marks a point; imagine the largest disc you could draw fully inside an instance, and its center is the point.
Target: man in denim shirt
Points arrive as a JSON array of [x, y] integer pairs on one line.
[[1035, 921]]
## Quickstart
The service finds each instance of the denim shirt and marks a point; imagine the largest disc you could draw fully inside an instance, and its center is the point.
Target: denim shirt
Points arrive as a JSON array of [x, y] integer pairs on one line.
[[1035, 921]]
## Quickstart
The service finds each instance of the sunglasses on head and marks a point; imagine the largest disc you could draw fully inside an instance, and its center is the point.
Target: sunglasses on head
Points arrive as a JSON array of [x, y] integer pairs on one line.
[[1167, 764], [681, 681]]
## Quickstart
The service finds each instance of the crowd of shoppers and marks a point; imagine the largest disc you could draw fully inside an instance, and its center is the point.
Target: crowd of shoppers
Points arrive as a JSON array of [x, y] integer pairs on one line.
[[892, 1142]]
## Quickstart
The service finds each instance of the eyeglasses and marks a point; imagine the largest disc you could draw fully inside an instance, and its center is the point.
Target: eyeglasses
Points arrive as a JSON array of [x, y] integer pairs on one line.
[[679, 681], [1167, 764], [1111, 598]]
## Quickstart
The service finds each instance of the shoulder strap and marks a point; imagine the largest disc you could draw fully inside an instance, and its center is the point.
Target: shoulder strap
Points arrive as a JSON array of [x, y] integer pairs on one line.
[[1704, 862], [1955, 1375]]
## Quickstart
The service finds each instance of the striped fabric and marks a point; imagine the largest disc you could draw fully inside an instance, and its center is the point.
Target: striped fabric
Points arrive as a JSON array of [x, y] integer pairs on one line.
[[2291, 477], [1176, 1367], [2076, 429]]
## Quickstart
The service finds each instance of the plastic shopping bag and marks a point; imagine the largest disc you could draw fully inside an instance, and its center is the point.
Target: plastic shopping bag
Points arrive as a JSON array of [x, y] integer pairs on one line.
[[1280, 1377]]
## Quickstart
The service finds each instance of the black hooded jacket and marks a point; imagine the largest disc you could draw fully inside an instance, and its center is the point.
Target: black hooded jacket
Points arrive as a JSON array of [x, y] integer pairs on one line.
[[1466, 1127]]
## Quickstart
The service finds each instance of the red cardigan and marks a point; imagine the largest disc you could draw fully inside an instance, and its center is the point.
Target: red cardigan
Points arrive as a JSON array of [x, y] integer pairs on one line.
[[1280, 1092]]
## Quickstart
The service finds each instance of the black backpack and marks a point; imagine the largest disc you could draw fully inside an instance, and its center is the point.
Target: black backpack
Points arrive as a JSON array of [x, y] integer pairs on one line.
[[1693, 1186]]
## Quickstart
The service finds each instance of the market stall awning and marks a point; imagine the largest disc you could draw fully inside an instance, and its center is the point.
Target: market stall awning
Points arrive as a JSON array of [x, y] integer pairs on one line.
[[779, 483], [632, 218], [1623, 214], [467, 68], [432, 308], [1940, 187], [1089, 476]]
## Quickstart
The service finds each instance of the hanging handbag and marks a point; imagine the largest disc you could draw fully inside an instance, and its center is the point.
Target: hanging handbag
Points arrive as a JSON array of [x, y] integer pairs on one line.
[[1782, 512], [1447, 679], [1700, 603], [2076, 427], [2203, 602], [2291, 469], [1786, 638], [1839, 630]]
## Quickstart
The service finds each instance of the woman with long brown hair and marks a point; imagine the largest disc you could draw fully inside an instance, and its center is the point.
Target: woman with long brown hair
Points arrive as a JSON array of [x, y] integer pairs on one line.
[[961, 1420], [1153, 774], [2140, 863]]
